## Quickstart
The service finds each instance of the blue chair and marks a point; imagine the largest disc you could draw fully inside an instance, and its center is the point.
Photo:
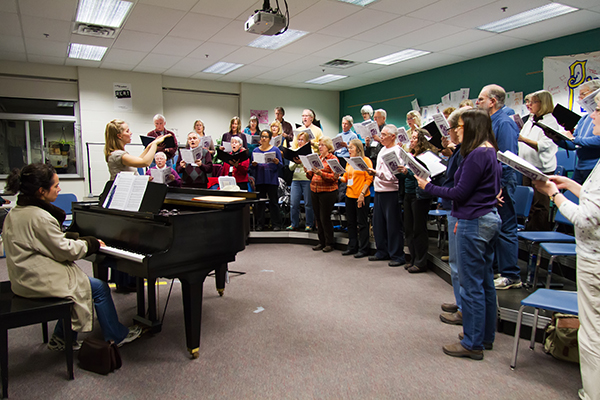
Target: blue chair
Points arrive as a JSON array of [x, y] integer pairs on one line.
[[566, 159], [441, 222], [64, 201], [560, 170], [554, 250], [532, 237], [546, 299], [523, 200]]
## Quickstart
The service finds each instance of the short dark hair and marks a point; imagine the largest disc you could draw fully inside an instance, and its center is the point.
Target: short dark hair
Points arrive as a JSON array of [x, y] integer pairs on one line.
[[268, 131], [281, 110], [30, 179], [477, 129]]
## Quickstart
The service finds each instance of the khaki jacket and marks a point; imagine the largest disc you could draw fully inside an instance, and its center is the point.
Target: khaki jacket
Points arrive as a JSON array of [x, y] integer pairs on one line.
[[40, 262]]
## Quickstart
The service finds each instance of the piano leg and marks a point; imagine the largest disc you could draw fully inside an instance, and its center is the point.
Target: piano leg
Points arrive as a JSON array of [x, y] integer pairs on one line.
[[152, 321], [191, 292], [220, 275]]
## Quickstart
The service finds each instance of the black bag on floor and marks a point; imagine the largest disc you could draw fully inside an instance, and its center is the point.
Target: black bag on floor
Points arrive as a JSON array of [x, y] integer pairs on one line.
[[99, 356]]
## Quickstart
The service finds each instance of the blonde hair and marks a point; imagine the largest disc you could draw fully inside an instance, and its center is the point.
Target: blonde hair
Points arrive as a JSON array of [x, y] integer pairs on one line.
[[111, 137], [360, 151], [201, 123], [546, 102], [328, 143], [465, 103], [278, 125], [416, 115]]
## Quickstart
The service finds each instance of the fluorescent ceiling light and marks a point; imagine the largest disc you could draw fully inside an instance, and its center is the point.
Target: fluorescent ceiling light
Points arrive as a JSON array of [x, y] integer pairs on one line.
[[399, 56], [86, 51], [277, 41], [103, 12], [528, 17], [361, 3], [326, 79], [222, 68]]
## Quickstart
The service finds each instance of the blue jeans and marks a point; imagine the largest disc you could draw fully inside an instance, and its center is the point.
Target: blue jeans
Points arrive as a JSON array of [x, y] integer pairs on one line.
[[112, 329], [507, 246], [454, 273], [475, 240], [301, 190]]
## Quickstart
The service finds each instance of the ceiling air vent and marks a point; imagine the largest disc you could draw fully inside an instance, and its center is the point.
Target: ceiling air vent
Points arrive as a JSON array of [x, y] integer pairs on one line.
[[338, 63], [95, 30]]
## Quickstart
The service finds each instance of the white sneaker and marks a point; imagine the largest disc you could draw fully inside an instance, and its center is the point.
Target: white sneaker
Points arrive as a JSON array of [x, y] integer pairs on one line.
[[57, 344], [506, 283], [135, 332]]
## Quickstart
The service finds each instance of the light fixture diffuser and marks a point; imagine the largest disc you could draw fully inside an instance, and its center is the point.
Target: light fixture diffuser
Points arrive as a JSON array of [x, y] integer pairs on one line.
[[86, 51], [103, 12], [399, 56], [326, 79], [277, 41], [222, 68], [528, 17], [361, 3]]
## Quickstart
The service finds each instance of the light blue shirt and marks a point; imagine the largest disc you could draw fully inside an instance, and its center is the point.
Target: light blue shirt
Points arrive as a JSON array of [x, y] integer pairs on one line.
[[346, 137]]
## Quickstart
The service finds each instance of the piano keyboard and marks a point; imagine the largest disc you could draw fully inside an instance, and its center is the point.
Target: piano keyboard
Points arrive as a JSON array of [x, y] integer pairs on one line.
[[113, 251]]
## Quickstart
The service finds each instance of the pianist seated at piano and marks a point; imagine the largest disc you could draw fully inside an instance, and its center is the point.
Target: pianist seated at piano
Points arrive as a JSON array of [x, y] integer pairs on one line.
[[237, 169], [160, 159], [195, 175], [40, 258], [116, 136]]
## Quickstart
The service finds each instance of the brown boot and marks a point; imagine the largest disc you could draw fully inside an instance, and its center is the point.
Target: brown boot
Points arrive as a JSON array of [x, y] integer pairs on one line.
[[451, 318], [449, 307], [457, 350]]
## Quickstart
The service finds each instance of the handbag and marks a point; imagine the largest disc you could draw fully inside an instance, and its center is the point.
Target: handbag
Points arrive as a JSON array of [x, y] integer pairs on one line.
[[99, 356]]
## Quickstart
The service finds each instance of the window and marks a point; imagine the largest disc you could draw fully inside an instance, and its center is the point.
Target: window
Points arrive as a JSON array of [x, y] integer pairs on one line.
[[39, 131]]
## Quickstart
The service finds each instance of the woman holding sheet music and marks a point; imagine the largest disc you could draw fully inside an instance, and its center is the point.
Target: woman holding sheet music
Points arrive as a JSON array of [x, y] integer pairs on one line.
[[540, 150], [116, 136], [266, 163], [199, 129], [357, 202], [253, 130], [476, 185], [324, 194], [300, 189], [416, 208], [235, 129], [237, 169], [195, 174]]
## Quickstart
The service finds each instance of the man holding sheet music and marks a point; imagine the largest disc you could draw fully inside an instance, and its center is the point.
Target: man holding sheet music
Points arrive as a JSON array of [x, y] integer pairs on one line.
[[160, 130], [371, 149], [288, 130], [491, 99], [387, 214], [346, 136]]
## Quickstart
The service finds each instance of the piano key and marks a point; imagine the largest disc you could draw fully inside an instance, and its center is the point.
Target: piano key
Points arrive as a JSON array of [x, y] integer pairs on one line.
[[129, 255]]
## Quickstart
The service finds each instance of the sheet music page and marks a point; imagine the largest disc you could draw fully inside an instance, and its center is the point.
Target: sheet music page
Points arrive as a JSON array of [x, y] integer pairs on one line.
[[127, 192], [518, 120], [357, 163], [305, 163], [588, 103], [187, 155], [198, 153], [413, 165], [415, 105], [392, 161], [276, 141], [311, 135], [159, 175], [227, 147], [362, 131], [441, 123], [464, 93], [336, 167], [259, 157], [403, 136], [433, 162], [337, 142], [521, 165], [136, 195], [315, 161], [446, 99], [248, 138], [205, 142], [270, 156], [226, 181]]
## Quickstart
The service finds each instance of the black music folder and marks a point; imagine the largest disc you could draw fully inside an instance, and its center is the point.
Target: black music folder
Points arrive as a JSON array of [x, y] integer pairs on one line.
[[565, 117], [168, 142], [289, 154], [551, 133], [226, 157], [436, 135]]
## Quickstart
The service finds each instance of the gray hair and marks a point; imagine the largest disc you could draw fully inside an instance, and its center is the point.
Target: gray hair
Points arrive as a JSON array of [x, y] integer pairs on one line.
[[381, 111], [160, 154], [238, 140], [194, 133], [312, 114], [592, 85], [391, 128], [367, 109], [348, 119], [159, 117], [455, 116], [497, 93]]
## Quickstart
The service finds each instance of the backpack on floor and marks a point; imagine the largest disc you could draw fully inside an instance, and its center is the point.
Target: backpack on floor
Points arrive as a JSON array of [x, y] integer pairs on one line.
[[561, 337]]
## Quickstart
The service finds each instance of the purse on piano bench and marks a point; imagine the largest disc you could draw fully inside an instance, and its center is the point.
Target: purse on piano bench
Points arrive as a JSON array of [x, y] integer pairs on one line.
[[99, 356]]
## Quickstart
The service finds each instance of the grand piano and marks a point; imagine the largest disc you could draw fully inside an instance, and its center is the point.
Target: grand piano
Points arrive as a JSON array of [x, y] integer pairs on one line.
[[187, 240]]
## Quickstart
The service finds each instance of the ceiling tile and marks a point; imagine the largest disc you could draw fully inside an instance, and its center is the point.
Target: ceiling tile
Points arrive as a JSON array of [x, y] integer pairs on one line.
[[9, 24], [484, 47], [444, 9], [400, 7], [560, 26], [46, 47], [152, 19], [183, 5], [149, 69], [311, 43], [277, 60], [176, 46], [55, 9], [82, 63], [179, 72], [8, 6], [301, 77], [375, 51], [247, 55], [392, 29], [46, 60], [295, 8], [224, 8], [117, 66], [193, 65], [126, 57], [415, 38], [234, 33], [7, 56], [132, 40], [321, 15], [214, 51], [198, 26], [458, 39], [358, 22], [159, 61], [493, 12], [279, 73], [309, 63], [36, 28], [343, 48]]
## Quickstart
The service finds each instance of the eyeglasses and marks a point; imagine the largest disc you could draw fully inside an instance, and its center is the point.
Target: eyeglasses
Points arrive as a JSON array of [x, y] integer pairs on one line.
[[460, 126], [264, 137]]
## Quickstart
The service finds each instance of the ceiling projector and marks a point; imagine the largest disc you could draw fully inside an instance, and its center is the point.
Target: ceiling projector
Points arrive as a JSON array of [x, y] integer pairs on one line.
[[265, 23]]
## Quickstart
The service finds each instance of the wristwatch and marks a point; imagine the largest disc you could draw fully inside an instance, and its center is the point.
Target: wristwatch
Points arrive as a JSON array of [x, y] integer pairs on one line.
[[554, 195]]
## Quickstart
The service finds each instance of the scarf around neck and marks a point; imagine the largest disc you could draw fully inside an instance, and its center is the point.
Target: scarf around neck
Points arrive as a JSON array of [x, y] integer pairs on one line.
[[57, 213]]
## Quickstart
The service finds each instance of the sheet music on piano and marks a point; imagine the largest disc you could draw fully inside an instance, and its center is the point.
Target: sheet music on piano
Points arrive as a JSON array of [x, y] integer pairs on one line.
[[127, 192]]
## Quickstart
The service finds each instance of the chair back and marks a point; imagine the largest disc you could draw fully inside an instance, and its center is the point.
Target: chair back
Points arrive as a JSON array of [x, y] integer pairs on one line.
[[523, 200], [559, 218], [566, 160], [64, 202], [560, 170]]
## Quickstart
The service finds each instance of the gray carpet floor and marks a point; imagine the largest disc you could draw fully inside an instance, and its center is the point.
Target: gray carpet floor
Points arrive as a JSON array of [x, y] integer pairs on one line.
[[298, 325]]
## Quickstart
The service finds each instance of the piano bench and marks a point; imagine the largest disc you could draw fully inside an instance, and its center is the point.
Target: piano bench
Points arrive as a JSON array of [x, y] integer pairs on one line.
[[16, 311]]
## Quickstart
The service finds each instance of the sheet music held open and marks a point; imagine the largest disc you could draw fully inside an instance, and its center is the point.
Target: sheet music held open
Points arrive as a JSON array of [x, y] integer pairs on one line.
[[127, 192]]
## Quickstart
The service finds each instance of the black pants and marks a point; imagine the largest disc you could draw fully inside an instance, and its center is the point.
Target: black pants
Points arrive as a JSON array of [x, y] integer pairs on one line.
[[415, 228], [322, 203], [358, 225], [270, 192]]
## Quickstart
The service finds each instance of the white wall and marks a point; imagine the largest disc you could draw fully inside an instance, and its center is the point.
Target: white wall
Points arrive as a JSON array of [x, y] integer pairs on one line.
[[326, 104]]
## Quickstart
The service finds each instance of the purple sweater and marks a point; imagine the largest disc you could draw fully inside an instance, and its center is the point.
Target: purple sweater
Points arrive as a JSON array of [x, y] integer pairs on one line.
[[476, 184]]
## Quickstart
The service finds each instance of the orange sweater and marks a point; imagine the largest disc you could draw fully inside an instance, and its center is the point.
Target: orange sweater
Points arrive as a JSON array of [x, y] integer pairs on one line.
[[359, 180]]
